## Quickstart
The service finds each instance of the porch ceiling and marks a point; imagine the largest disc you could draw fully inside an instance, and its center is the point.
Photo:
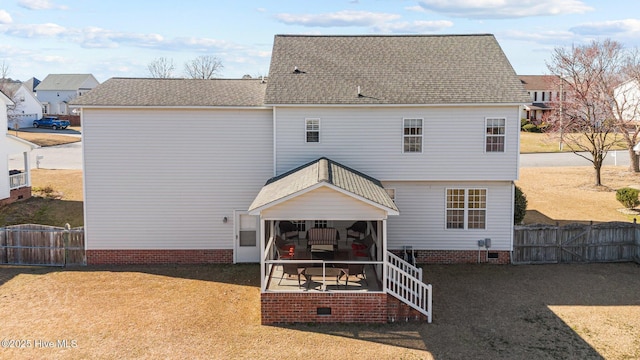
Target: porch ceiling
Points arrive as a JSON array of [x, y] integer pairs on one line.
[[323, 173]]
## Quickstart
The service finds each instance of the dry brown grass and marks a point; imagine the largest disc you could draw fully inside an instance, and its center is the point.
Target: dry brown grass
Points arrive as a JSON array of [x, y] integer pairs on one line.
[[46, 139], [57, 200], [567, 194], [213, 312]]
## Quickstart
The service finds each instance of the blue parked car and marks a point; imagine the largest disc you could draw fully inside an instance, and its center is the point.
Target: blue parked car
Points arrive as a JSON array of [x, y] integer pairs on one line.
[[52, 122]]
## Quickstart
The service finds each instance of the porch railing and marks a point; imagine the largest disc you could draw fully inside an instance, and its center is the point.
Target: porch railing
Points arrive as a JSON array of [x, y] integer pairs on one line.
[[404, 281], [17, 180]]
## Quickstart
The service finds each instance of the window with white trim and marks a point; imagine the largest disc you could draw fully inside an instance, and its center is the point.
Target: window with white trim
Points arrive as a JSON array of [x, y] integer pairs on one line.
[[312, 130], [412, 136], [495, 134], [466, 208]]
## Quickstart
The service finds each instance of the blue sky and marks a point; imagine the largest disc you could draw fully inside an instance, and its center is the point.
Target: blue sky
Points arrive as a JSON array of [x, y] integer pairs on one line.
[[120, 38]]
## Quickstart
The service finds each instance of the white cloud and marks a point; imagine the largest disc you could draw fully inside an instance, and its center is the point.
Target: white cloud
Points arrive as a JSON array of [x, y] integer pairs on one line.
[[415, 27], [496, 9], [340, 18], [627, 28], [35, 30], [5, 18], [40, 5]]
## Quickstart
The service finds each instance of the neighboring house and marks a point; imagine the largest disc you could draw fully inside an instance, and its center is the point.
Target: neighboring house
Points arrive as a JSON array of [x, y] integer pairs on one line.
[[27, 107], [31, 84], [56, 90], [416, 137], [542, 91], [627, 97], [16, 183]]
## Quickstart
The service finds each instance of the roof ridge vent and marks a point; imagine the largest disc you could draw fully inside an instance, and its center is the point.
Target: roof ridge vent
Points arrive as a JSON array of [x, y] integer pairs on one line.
[[323, 170]]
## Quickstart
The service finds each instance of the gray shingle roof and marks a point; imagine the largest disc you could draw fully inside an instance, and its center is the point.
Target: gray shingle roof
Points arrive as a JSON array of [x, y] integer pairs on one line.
[[327, 171], [71, 82], [423, 69], [175, 92], [538, 82]]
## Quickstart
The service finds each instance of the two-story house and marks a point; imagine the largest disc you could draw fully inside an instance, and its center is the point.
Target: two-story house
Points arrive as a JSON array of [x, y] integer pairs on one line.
[[57, 90], [415, 138], [543, 90], [26, 106], [16, 183]]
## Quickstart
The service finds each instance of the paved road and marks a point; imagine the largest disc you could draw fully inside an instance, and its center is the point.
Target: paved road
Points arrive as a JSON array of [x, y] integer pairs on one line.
[[620, 158], [68, 156]]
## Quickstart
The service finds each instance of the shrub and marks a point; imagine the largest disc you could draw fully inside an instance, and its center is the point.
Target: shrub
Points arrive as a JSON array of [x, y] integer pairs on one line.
[[530, 128], [628, 197], [520, 206]]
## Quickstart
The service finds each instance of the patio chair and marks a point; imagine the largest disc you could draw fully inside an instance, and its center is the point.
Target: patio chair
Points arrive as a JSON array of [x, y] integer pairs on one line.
[[291, 270], [288, 230], [356, 270], [285, 249], [357, 230], [362, 248]]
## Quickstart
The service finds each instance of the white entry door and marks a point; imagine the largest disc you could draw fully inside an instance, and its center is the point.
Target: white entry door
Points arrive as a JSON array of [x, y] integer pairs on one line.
[[247, 245]]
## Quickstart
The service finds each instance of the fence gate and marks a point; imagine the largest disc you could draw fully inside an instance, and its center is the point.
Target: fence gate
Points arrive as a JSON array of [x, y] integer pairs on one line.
[[31, 244]]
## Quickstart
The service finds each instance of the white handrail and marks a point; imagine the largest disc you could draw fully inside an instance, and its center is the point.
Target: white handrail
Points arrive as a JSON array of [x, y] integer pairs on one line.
[[405, 266], [405, 283]]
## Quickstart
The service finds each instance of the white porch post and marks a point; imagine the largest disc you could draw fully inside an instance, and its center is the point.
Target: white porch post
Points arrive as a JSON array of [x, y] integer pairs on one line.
[[27, 168], [263, 283], [384, 253]]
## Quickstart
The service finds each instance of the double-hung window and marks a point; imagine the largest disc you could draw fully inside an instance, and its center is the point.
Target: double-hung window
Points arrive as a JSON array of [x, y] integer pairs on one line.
[[495, 134], [466, 208], [312, 130], [412, 136]]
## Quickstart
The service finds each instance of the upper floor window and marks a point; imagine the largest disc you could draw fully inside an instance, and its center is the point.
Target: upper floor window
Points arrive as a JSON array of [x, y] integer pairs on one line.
[[312, 130], [466, 209], [412, 136], [535, 96], [494, 138]]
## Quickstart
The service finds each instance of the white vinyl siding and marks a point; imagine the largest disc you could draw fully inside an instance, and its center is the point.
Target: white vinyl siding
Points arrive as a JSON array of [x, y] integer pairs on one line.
[[369, 140], [495, 134], [324, 204], [422, 220], [165, 179]]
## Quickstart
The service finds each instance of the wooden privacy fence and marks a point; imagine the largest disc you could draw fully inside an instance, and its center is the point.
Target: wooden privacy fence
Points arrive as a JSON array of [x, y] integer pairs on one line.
[[31, 244], [604, 242]]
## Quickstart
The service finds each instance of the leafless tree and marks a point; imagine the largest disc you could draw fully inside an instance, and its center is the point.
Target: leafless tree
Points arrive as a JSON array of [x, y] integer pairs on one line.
[[203, 67], [584, 114], [4, 70], [626, 106], [161, 68]]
